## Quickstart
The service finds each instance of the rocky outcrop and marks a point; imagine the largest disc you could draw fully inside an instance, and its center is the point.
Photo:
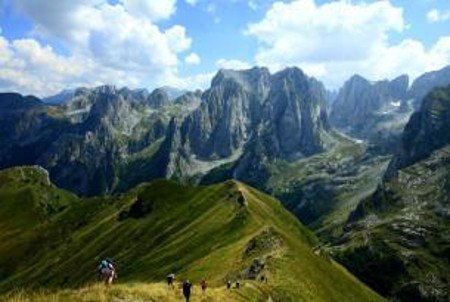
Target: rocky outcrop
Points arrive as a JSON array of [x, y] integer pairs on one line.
[[295, 114], [158, 98], [285, 110], [359, 100], [426, 83], [229, 111], [373, 111], [427, 130]]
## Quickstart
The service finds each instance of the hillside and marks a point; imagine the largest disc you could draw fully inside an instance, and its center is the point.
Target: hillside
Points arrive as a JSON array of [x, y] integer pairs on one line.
[[322, 189], [53, 240], [397, 240]]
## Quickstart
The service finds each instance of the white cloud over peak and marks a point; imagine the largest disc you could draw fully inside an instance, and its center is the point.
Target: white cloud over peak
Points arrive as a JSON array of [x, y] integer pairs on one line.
[[332, 41], [192, 59], [435, 15], [106, 44]]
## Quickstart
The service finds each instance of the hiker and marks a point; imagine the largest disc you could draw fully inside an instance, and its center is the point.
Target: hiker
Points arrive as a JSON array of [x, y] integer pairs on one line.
[[187, 290], [238, 284], [228, 284], [170, 279], [107, 271], [204, 286]]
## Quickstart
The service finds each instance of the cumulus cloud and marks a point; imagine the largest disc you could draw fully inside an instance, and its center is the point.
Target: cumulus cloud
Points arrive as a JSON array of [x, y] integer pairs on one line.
[[106, 43], [198, 81], [334, 40], [192, 59], [232, 64], [154, 10], [27, 66], [435, 15]]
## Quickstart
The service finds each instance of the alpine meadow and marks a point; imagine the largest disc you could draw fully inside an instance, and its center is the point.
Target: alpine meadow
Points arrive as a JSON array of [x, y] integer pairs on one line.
[[245, 150]]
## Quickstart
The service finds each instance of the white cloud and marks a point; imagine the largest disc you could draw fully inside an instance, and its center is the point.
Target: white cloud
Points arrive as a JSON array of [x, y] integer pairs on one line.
[[154, 10], [435, 15], [337, 39], [192, 59], [232, 64], [27, 66], [107, 44], [197, 81]]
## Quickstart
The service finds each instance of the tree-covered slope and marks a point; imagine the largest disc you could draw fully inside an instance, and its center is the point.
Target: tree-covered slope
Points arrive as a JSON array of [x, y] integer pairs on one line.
[[51, 239]]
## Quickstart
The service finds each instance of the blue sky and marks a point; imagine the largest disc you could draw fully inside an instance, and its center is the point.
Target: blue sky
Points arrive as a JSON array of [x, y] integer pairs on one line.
[[46, 45]]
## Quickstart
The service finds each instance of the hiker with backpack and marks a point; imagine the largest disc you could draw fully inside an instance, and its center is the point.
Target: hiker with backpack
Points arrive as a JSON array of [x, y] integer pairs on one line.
[[170, 279], [187, 290], [107, 271]]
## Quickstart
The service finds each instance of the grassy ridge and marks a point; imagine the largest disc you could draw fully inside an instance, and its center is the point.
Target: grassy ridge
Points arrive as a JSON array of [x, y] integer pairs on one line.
[[139, 292], [214, 232]]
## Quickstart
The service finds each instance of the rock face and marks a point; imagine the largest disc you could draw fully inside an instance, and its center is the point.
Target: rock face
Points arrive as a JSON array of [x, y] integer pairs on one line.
[[246, 121], [295, 111], [427, 130], [286, 110], [59, 98], [359, 99], [229, 111], [110, 139], [373, 111], [93, 138], [404, 224], [427, 82]]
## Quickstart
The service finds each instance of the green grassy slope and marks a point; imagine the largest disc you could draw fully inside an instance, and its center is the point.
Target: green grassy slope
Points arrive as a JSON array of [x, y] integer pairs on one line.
[[53, 240]]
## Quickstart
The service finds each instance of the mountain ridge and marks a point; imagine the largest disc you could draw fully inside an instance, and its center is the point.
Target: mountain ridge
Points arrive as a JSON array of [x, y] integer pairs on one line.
[[139, 231]]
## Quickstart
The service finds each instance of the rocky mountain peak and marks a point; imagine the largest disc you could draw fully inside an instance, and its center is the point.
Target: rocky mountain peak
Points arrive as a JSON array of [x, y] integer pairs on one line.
[[158, 98], [249, 79], [361, 103], [426, 82], [427, 130], [13, 100], [285, 112]]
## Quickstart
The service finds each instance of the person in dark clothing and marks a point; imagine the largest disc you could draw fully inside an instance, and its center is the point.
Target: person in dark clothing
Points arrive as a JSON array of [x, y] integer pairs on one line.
[[170, 278], [187, 290], [228, 284], [204, 286], [238, 284]]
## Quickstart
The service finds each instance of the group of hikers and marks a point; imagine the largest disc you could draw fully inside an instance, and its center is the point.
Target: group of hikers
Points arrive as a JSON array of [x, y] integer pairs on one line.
[[107, 272], [187, 285]]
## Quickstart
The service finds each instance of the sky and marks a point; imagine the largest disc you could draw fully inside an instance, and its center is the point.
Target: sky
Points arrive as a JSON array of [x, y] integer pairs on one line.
[[47, 46]]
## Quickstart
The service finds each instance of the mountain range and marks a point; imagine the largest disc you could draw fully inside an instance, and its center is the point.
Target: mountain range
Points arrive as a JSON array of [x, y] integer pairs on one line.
[[366, 169]]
